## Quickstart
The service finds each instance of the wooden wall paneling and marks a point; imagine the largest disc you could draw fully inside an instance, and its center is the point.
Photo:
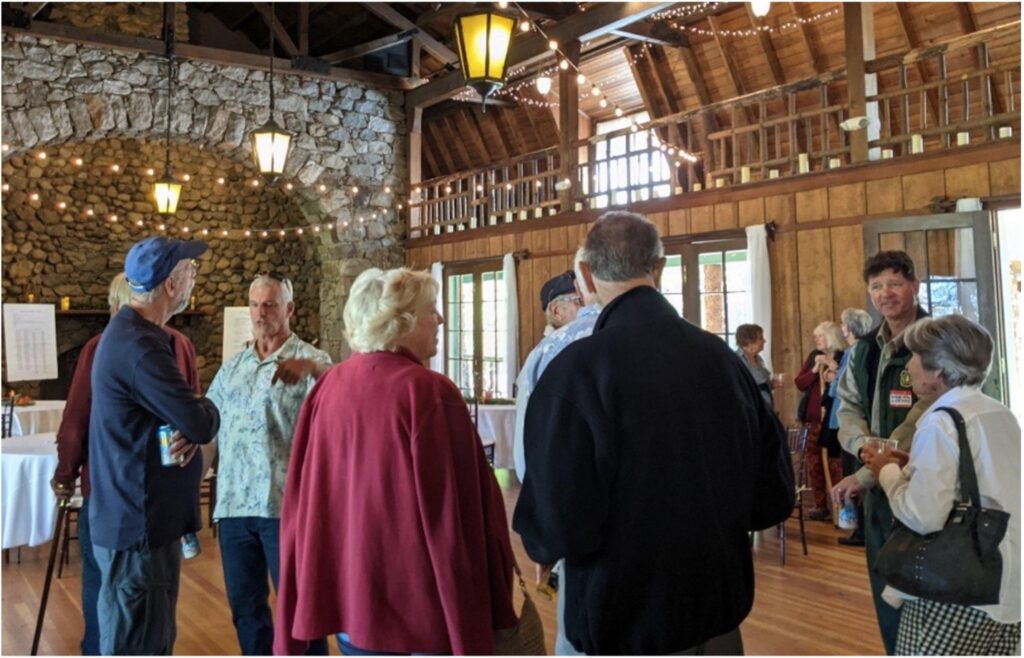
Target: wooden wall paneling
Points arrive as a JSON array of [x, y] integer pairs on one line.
[[846, 200], [508, 243], [436, 254], [814, 272], [751, 212], [812, 205], [702, 219], [1004, 176], [660, 219], [679, 221], [448, 252], [725, 216], [460, 250], [787, 347], [494, 246], [847, 265], [780, 208], [920, 189], [967, 181], [558, 238], [884, 196], [891, 242]]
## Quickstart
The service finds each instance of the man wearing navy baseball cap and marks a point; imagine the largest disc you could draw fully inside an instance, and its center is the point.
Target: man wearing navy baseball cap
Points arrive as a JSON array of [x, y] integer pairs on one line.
[[140, 506]]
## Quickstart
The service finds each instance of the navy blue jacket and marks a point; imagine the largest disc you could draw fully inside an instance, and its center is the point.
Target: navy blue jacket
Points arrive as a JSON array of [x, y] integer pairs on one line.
[[136, 387], [650, 454]]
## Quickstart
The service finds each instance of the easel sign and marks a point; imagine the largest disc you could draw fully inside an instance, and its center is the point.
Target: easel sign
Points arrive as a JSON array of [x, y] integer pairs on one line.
[[237, 331], [30, 342]]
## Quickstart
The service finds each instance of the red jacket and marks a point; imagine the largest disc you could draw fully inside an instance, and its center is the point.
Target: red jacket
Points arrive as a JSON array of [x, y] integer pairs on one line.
[[73, 433], [393, 527]]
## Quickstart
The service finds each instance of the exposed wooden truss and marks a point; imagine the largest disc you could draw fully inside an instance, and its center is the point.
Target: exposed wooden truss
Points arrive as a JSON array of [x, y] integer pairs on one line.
[[429, 43], [280, 33]]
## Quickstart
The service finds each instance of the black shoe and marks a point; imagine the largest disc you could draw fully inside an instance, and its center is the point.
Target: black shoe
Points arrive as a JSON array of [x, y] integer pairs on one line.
[[817, 514], [852, 540]]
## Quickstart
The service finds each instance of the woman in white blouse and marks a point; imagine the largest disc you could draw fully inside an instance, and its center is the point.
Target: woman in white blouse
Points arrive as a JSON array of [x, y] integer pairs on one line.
[[951, 357]]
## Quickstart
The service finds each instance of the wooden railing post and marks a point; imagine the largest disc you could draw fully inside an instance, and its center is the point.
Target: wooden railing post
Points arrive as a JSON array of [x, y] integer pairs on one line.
[[568, 124]]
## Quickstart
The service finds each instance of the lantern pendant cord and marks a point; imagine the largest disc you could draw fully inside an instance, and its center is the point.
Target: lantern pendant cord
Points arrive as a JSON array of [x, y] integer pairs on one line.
[[169, 52], [273, 17]]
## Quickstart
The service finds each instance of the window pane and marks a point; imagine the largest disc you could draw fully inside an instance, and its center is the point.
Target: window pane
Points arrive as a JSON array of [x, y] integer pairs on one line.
[[738, 309], [737, 270], [713, 312]]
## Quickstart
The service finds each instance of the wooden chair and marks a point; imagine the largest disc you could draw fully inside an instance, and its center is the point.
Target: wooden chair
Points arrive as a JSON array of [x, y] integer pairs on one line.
[[797, 439]]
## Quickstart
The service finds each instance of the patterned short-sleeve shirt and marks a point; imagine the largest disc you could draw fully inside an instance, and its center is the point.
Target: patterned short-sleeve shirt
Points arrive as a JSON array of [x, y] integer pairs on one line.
[[257, 423]]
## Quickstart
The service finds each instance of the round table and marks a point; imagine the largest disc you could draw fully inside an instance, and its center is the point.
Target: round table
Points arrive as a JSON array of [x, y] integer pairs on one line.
[[28, 509], [39, 418], [497, 422]]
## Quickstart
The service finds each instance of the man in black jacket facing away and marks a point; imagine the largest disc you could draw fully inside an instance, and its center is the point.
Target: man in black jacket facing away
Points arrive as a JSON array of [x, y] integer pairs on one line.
[[650, 455]]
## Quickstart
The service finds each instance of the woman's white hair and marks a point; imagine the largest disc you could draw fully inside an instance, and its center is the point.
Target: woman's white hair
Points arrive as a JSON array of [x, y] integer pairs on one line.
[[119, 294], [382, 305], [959, 349], [833, 336]]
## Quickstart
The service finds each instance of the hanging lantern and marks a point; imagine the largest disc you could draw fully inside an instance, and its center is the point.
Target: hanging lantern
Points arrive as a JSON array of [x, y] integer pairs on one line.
[[270, 149], [543, 83], [166, 193], [271, 142], [760, 8], [482, 39]]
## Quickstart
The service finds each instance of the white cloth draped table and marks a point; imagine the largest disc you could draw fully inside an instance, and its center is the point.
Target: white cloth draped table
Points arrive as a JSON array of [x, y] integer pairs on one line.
[[497, 422], [28, 507], [39, 418]]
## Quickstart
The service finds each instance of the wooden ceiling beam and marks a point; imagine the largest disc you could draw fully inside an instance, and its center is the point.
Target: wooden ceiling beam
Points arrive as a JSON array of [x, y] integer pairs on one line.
[[33, 8], [369, 47], [345, 26], [474, 118], [242, 17], [805, 37], [389, 14], [280, 33], [445, 11], [255, 61], [766, 46], [910, 37], [455, 136], [653, 33], [732, 71], [304, 28], [595, 22], [474, 134], [442, 146], [428, 154], [507, 129]]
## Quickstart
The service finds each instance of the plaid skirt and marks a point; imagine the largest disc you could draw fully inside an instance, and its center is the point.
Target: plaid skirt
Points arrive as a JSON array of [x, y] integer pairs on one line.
[[929, 628]]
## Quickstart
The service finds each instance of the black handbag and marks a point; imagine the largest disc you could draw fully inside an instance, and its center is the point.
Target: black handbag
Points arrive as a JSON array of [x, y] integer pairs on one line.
[[959, 564]]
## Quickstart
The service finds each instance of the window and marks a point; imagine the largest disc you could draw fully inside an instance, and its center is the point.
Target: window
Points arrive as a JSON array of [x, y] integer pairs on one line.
[[476, 321], [709, 284], [628, 168]]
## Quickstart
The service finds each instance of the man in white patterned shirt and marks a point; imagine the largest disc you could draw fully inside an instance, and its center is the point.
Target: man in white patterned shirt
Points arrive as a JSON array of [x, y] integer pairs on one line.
[[259, 392]]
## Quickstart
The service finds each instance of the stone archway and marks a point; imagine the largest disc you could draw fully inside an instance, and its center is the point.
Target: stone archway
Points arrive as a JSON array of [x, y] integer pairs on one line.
[[57, 94]]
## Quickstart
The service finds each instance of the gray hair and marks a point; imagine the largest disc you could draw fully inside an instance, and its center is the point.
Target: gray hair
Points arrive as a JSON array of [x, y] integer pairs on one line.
[[833, 335], [857, 320], [267, 280], [959, 349], [119, 294], [150, 296], [622, 246]]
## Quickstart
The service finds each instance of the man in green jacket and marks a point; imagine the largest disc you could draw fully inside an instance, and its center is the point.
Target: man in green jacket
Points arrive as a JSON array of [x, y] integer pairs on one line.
[[875, 396]]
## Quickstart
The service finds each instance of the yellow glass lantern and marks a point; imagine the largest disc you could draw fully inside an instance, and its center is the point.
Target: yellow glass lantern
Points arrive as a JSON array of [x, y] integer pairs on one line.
[[166, 193], [482, 38], [270, 149]]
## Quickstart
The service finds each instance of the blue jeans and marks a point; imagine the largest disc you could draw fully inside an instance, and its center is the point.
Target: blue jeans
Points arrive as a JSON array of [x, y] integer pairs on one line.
[[248, 551], [138, 597], [348, 649], [90, 584]]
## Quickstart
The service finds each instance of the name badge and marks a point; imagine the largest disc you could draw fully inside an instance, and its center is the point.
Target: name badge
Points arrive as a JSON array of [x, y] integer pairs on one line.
[[901, 399]]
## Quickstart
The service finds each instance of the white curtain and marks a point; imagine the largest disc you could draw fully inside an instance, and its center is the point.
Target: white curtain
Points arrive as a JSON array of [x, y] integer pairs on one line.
[[508, 266], [437, 273], [761, 286]]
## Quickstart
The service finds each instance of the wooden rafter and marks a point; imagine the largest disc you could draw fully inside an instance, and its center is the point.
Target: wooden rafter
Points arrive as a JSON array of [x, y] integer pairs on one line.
[[766, 46], [369, 47], [597, 21], [428, 154], [454, 130], [390, 15], [304, 28], [445, 11], [805, 37], [732, 71], [653, 33], [441, 146], [910, 37], [341, 28], [474, 119], [508, 130], [33, 8], [474, 134], [280, 33]]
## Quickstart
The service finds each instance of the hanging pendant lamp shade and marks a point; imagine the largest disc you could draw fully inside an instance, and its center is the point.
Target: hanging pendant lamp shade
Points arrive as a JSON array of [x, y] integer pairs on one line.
[[270, 146], [482, 38], [166, 193]]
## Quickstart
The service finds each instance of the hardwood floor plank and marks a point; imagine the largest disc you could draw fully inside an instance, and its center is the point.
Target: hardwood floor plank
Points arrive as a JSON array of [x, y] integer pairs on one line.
[[818, 604]]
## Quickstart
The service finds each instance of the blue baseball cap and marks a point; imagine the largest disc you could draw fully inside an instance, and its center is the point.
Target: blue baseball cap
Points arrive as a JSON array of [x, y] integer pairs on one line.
[[151, 261]]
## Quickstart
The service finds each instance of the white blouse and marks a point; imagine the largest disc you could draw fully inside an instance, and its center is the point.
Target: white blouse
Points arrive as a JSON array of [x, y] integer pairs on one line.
[[923, 493]]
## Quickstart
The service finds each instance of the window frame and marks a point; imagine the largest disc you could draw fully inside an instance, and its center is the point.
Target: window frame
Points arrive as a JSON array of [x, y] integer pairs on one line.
[[477, 269]]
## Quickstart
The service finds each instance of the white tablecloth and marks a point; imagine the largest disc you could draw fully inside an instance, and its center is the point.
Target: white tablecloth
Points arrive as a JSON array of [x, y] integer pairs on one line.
[[28, 509], [39, 418], [498, 422]]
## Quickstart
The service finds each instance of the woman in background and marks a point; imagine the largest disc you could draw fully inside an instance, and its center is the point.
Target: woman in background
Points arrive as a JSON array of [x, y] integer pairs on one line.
[[393, 529]]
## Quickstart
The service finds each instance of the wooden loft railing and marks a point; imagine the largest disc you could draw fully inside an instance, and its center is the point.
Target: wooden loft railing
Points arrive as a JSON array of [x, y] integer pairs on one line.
[[779, 132]]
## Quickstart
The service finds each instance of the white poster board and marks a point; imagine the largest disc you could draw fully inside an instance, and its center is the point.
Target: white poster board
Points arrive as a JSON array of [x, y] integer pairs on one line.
[[237, 331], [30, 342]]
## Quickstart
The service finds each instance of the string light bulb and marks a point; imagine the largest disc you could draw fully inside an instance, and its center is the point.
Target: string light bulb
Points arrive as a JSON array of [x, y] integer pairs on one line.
[[78, 162], [322, 187], [205, 232], [355, 189], [618, 111], [184, 229], [6, 187], [220, 180], [62, 205], [524, 26], [41, 155], [552, 45], [224, 233], [580, 78], [116, 168], [289, 186], [160, 227], [595, 91], [255, 182], [603, 102], [139, 223], [150, 172], [263, 234], [33, 197], [564, 65], [387, 190], [186, 177], [247, 233], [89, 212], [113, 218]]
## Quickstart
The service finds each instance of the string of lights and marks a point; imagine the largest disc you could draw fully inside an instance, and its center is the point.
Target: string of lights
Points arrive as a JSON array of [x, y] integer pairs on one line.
[[763, 27], [682, 11], [65, 204]]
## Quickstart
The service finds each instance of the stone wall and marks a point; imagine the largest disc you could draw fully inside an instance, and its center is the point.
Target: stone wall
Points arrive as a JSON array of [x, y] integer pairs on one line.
[[139, 19], [97, 103], [53, 246]]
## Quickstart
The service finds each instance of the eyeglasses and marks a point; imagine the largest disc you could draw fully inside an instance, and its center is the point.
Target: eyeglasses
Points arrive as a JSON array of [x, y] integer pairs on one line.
[[276, 276], [572, 299]]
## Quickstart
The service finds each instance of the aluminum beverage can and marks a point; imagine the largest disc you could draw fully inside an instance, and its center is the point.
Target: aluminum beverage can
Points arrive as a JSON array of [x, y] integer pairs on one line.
[[190, 546], [163, 435], [848, 516]]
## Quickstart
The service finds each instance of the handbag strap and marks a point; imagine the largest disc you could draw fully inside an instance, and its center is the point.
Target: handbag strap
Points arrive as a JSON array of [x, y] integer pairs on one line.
[[968, 476], [519, 576]]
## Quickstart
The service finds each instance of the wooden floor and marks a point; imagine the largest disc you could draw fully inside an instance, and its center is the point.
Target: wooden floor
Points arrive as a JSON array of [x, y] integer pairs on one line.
[[815, 605]]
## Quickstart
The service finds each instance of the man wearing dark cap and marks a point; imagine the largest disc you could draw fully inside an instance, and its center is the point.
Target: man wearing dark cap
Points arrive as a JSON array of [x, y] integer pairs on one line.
[[139, 508], [559, 301]]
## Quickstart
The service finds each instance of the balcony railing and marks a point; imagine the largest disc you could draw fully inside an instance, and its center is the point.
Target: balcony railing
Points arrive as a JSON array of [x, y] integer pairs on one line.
[[784, 131]]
